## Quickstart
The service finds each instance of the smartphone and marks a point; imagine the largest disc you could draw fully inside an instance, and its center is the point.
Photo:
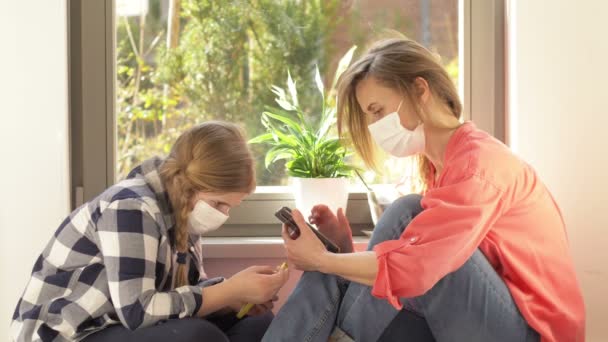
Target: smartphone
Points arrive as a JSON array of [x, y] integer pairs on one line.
[[284, 214]]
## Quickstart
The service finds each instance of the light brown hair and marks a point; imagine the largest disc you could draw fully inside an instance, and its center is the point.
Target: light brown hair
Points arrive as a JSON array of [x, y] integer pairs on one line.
[[396, 63], [210, 157]]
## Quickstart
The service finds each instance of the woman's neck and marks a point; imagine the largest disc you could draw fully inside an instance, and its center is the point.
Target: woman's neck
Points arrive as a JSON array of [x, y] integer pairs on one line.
[[437, 138]]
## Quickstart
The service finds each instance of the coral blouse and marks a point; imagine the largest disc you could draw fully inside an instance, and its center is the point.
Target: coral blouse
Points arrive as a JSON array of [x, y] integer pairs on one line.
[[488, 198]]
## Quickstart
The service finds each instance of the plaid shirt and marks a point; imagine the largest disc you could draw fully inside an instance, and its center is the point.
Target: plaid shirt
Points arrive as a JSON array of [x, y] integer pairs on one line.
[[109, 262]]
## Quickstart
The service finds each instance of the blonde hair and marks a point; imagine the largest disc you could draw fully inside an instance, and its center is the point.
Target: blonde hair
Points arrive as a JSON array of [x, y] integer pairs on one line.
[[210, 157], [396, 63]]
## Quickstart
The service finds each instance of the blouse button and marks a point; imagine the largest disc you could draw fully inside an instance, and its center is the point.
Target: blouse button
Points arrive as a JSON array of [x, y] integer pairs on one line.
[[413, 239]]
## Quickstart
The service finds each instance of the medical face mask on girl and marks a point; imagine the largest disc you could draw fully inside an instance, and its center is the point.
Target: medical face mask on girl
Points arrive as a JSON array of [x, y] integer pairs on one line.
[[205, 218], [396, 139]]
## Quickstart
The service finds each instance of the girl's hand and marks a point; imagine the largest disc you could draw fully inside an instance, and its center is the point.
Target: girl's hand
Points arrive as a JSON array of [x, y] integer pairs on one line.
[[257, 309], [257, 285], [260, 309], [336, 228], [306, 252]]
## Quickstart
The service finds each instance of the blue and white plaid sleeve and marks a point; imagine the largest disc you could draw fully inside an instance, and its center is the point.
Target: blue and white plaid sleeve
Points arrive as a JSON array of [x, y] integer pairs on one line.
[[129, 238]]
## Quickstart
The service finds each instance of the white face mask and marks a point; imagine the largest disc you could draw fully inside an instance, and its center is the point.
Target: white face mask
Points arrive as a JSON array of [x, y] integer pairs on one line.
[[396, 139], [205, 218]]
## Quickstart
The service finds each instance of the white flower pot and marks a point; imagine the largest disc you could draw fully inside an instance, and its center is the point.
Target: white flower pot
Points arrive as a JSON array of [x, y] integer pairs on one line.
[[309, 192]]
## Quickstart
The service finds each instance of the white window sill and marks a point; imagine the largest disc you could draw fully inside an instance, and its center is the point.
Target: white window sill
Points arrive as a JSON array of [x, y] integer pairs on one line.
[[254, 247]]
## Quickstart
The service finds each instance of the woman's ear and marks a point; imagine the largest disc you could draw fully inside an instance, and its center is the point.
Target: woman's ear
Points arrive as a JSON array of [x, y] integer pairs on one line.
[[422, 90]]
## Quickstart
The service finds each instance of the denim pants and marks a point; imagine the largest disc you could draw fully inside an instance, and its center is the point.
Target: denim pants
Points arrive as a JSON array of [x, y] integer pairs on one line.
[[223, 328], [470, 304]]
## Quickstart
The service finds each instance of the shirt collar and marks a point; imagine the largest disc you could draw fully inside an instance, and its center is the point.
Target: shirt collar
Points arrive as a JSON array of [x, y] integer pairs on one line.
[[150, 171], [456, 139]]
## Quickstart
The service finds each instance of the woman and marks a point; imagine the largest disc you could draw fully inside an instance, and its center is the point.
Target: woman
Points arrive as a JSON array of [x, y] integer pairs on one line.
[[127, 266], [482, 256]]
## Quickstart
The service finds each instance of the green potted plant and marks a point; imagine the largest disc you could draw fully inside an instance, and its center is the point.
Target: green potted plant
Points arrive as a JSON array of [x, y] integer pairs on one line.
[[315, 157]]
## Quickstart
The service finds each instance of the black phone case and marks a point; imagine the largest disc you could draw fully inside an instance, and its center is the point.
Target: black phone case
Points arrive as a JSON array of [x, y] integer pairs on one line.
[[284, 214]]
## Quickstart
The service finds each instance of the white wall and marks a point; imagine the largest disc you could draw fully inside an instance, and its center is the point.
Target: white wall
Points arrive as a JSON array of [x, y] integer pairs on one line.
[[33, 138], [560, 125]]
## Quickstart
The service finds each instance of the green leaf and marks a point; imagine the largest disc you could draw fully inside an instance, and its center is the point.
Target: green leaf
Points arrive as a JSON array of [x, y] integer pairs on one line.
[[261, 138], [319, 81], [291, 85], [298, 173], [331, 145], [284, 104], [328, 121], [277, 153], [302, 164], [276, 132], [287, 113], [343, 64], [282, 118], [278, 91]]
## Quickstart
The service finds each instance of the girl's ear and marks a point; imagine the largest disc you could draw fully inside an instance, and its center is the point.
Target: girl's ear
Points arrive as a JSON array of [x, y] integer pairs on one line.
[[423, 91], [192, 201]]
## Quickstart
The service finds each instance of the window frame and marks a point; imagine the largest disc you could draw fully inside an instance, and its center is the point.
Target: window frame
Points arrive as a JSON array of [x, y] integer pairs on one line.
[[483, 72], [92, 106], [92, 80]]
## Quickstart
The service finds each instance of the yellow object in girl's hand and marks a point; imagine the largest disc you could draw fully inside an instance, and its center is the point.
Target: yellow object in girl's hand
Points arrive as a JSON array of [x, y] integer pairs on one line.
[[245, 308]]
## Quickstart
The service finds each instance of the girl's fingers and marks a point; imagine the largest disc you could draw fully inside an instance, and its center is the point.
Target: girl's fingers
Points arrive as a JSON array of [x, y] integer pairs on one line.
[[268, 305], [255, 311], [279, 279], [262, 269]]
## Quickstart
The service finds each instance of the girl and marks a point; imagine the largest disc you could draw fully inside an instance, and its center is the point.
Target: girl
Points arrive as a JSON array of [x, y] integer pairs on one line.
[[127, 266], [482, 256]]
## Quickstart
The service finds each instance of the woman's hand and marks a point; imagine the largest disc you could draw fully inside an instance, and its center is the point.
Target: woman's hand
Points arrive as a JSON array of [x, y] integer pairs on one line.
[[306, 252], [336, 228], [257, 285]]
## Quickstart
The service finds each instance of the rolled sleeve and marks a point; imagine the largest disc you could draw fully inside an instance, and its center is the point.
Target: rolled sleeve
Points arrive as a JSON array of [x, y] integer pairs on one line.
[[438, 241], [192, 299]]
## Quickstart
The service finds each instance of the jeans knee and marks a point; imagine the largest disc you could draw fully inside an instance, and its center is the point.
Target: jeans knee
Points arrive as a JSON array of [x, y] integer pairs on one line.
[[395, 218], [407, 205]]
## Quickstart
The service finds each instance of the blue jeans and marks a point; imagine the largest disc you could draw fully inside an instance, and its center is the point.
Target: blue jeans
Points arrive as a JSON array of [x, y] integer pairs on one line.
[[470, 304]]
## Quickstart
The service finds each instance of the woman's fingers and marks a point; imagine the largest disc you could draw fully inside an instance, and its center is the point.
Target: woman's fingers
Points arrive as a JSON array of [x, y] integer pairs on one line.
[[319, 213], [342, 218], [284, 234], [299, 219], [319, 209]]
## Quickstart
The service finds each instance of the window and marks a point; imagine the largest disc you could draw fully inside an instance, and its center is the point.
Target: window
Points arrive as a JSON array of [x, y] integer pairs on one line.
[[143, 70], [179, 63]]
